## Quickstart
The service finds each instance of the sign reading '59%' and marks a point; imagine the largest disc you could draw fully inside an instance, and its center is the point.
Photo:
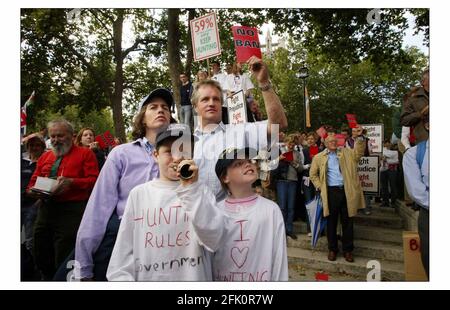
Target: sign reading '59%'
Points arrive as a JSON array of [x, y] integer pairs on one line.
[[205, 37]]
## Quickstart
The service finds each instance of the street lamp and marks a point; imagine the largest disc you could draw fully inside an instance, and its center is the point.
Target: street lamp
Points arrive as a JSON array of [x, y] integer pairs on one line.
[[303, 74]]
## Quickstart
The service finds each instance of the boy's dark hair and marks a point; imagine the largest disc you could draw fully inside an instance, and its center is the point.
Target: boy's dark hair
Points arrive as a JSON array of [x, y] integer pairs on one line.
[[167, 142], [169, 134], [311, 133]]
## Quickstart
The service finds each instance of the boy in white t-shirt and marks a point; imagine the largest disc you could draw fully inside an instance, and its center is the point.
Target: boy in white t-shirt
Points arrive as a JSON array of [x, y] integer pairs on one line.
[[245, 231], [156, 240]]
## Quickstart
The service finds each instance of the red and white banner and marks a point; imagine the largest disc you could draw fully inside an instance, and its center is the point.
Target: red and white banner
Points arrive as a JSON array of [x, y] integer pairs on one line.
[[23, 113], [205, 37], [322, 132], [351, 119], [246, 43], [340, 139], [237, 108], [105, 140]]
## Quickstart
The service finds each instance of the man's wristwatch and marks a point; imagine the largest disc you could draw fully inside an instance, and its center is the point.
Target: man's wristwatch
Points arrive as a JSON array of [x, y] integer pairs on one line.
[[266, 87]]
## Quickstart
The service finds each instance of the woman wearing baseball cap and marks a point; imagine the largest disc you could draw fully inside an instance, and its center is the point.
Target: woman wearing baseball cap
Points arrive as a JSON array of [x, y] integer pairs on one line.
[[127, 166]]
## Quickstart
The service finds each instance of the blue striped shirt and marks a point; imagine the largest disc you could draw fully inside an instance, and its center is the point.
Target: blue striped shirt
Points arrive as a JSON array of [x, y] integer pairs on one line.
[[334, 175]]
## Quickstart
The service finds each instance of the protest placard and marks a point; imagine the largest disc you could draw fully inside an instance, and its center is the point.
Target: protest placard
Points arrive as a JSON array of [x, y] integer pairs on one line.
[[340, 139], [322, 132], [246, 43], [237, 108], [368, 172], [414, 270], [105, 140], [205, 37], [375, 133], [351, 119]]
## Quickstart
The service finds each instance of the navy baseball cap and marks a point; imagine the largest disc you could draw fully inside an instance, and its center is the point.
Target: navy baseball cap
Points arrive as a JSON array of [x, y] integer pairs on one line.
[[174, 131], [228, 156], [162, 93]]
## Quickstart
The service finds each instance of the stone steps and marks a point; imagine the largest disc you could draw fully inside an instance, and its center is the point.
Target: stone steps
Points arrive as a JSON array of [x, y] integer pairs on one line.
[[377, 209], [317, 260], [365, 248], [377, 237], [364, 232], [384, 220]]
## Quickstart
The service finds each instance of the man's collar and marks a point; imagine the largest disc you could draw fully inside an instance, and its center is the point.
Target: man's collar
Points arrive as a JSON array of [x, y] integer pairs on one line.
[[220, 126], [327, 151], [141, 141]]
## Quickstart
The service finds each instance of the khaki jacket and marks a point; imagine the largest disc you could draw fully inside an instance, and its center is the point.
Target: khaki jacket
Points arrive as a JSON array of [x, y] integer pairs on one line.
[[348, 163]]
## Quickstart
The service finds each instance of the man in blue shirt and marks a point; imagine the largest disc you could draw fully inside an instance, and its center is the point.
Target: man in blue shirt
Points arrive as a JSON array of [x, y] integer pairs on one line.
[[417, 179]]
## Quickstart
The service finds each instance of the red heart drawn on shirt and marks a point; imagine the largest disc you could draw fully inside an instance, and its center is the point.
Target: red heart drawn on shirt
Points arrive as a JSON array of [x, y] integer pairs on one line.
[[239, 256]]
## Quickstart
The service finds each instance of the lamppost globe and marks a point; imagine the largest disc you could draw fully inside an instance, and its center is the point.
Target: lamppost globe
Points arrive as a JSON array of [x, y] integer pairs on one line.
[[302, 73]]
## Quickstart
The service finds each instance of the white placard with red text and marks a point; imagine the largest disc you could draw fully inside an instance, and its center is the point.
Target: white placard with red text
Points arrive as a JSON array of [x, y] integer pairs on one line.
[[369, 173], [237, 108], [205, 37], [375, 134]]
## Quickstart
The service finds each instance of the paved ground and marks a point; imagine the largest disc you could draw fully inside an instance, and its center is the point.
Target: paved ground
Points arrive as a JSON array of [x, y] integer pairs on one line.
[[298, 273]]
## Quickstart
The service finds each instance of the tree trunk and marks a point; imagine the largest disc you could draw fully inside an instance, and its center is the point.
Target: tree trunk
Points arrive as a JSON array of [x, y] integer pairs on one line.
[[173, 54], [118, 77], [190, 53]]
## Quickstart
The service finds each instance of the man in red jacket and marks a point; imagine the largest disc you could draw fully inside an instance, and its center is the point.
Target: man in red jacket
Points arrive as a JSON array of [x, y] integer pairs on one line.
[[75, 170]]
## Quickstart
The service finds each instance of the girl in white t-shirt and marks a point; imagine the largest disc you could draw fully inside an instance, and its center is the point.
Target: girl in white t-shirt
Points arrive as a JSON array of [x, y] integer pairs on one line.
[[245, 231]]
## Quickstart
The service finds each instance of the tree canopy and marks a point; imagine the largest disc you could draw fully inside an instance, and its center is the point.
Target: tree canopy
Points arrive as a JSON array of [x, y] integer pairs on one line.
[[104, 61]]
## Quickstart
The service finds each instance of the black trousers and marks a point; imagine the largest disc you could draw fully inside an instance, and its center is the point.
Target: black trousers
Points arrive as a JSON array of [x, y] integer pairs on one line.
[[424, 234], [101, 256], [389, 185], [55, 233], [337, 205]]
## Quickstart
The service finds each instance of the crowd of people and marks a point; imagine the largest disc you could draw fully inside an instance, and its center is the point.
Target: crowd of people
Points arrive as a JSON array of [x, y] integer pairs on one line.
[[200, 200], [231, 82]]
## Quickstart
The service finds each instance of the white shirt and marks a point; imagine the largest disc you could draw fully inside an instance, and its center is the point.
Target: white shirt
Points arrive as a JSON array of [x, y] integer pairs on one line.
[[391, 156], [405, 137], [156, 240], [247, 236], [210, 145], [417, 180], [222, 79], [235, 83]]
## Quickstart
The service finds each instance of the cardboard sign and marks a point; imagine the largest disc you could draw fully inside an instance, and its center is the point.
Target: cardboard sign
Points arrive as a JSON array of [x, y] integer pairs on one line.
[[246, 43], [340, 139], [322, 132], [237, 108], [375, 133], [414, 270], [205, 37], [105, 140], [351, 119], [368, 172]]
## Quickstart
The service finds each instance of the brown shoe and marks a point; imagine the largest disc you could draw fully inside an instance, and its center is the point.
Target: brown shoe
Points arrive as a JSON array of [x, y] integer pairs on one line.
[[348, 257], [332, 256]]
